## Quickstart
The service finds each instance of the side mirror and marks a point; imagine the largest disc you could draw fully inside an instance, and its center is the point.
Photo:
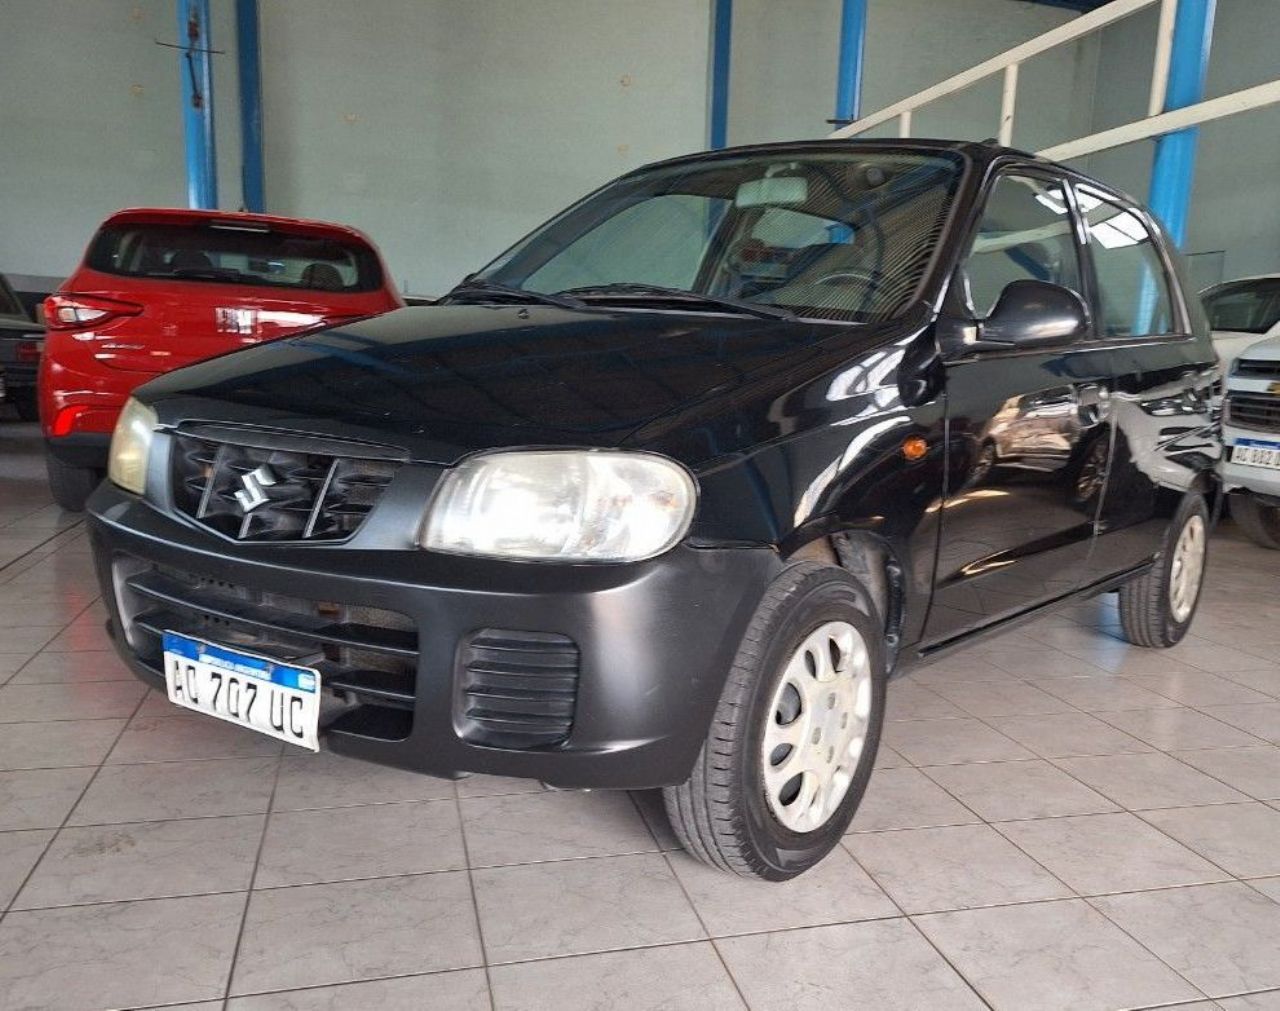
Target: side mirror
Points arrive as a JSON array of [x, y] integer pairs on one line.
[[1032, 314]]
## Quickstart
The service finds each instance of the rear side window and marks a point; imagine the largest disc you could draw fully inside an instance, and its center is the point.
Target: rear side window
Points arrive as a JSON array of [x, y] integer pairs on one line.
[[1133, 288], [1025, 233], [235, 255], [1249, 307]]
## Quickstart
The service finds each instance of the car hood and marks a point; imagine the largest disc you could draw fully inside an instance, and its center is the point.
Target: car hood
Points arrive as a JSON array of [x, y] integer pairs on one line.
[[1265, 348], [445, 381]]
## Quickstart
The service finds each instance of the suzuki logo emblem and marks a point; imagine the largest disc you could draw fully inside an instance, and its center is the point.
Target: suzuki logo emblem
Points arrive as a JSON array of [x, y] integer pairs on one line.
[[254, 492]]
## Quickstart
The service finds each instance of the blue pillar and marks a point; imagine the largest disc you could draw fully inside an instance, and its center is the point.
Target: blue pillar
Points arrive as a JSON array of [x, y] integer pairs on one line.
[[1173, 173], [721, 45], [853, 37], [196, 73], [249, 63]]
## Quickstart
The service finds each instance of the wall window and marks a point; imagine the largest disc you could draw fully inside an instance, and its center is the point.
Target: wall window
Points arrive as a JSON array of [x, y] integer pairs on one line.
[[1025, 234], [1133, 288]]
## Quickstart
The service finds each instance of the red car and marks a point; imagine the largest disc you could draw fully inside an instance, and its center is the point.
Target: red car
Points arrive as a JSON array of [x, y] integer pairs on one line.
[[162, 288]]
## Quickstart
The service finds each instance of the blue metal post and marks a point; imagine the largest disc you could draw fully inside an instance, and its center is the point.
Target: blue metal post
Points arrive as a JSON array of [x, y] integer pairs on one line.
[[721, 46], [1173, 173], [196, 72], [853, 37], [249, 62]]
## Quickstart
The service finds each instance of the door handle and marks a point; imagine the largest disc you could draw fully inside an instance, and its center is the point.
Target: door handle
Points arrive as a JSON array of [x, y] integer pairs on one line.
[[1092, 395]]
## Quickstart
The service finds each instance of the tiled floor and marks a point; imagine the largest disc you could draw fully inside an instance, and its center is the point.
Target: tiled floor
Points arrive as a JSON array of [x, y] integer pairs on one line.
[[1059, 821]]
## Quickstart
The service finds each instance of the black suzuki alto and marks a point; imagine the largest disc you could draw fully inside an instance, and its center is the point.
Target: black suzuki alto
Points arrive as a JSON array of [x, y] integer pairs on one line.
[[661, 496]]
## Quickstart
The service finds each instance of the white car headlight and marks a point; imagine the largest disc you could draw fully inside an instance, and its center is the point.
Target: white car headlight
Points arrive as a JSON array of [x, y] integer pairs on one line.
[[131, 446], [562, 505]]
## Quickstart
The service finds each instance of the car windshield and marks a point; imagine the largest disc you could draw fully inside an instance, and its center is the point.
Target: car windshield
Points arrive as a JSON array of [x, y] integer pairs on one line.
[[1248, 306], [235, 254], [831, 235]]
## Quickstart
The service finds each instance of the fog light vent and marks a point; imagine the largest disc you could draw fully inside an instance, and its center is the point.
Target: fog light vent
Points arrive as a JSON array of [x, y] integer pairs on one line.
[[518, 689]]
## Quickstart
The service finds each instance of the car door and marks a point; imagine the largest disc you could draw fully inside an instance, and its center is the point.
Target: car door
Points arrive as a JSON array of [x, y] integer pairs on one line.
[[1162, 377], [1028, 436]]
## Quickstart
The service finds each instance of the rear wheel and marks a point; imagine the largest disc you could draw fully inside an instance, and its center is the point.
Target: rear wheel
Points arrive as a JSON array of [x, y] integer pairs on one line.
[[795, 733], [25, 403], [1156, 608], [71, 486], [1261, 523]]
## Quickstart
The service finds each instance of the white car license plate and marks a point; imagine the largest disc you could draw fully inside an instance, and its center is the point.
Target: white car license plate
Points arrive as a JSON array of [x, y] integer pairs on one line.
[[265, 695], [1257, 453]]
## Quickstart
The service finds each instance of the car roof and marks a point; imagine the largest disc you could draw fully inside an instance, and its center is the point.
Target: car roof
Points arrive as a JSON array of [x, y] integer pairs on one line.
[[1240, 280], [188, 216]]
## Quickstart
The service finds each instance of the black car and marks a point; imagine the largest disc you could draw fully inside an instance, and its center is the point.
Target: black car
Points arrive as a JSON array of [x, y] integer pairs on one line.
[[662, 496], [21, 341]]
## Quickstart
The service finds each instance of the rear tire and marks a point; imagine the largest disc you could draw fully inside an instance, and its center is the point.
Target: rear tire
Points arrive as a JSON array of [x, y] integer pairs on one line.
[[1157, 608], [1261, 523], [71, 486], [810, 668], [26, 404]]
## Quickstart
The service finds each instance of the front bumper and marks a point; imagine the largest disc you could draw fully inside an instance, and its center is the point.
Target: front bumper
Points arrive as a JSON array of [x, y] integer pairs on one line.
[[649, 643], [1258, 480]]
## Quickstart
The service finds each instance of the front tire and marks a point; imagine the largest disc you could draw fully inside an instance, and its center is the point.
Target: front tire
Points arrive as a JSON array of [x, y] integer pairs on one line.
[[1156, 609], [71, 486], [795, 734], [1261, 523]]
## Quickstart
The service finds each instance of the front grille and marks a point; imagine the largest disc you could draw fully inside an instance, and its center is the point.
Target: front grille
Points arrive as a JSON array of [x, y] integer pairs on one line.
[[1253, 410], [518, 689], [1257, 368], [367, 657], [254, 493]]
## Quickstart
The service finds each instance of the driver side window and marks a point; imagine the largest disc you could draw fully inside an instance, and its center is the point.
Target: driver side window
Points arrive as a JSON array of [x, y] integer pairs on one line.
[[1025, 233]]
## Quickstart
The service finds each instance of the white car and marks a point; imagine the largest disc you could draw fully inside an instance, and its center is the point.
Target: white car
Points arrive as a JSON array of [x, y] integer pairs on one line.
[[1241, 313], [1251, 438]]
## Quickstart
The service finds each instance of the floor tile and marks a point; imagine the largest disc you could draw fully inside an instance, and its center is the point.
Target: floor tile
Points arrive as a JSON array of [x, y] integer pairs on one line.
[[681, 977], [907, 798], [19, 852], [186, 738], [1099, 853], [1260, 720], [1107, 693], [1065, 735], [1179, 729], [1052, 955], [1051, 663], [1234, 947], [158, 792], [1146, 781], [1200, 689], [459, 990], [949, 742], [895, 969], [1243, 839], [57, 745], [329, 780], [908, 701], [495, 786], [836, 891], [63, 668], [1255, 771], [1002, 699], [147, 860], [93, 700], [579, 906], [960, 867], [119, 954], [340, 933], [1268, 1001], [1000, 791], [307, 847], [527, 827], [39, 798]]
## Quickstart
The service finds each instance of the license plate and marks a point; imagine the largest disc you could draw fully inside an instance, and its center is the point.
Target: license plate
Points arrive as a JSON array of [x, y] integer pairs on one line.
[[265, 695], [1256, 453]]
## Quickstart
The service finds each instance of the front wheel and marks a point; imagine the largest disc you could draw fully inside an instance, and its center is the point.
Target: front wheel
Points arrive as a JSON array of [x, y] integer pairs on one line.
[[1261, 523], [1156, 608], [71, 486], [794, 736]]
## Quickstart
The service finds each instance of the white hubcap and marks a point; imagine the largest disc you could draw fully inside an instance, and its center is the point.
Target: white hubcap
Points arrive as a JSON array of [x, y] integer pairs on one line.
[[1186, 569], [817, 727]]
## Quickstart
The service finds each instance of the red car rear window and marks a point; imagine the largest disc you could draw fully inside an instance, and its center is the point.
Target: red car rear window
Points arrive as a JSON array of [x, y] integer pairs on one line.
[[233, 254]]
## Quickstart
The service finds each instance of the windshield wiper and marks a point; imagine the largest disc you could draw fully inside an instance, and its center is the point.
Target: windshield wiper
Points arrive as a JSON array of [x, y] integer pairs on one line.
[[507, 291], [657, 291]]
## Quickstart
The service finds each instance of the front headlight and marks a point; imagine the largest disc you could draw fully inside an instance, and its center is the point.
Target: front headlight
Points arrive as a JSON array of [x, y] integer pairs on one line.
[[130, 447], [562, 505]]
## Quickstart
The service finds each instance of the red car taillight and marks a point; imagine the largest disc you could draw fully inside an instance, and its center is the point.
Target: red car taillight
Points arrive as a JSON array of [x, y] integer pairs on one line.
[[29, 352], [74, 312]]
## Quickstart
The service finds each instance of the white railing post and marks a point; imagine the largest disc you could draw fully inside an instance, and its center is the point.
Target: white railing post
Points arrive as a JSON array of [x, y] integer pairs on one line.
[[904, 123], [1007, 101], [1164, 50]]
